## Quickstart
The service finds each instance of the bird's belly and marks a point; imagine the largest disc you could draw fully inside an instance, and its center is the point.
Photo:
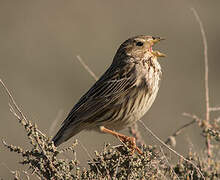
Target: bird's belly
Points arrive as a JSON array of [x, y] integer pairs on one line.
[[133, 112], [144, 106]]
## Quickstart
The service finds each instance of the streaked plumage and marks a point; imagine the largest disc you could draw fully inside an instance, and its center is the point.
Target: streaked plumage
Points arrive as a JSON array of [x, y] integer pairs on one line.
[[122, 95]]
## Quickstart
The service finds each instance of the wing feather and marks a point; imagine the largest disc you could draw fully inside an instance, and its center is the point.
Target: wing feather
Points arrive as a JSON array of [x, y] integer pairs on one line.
[[106, 90]]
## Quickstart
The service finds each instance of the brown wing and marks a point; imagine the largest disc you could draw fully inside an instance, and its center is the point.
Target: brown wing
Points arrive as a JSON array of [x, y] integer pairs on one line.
[[106, 90], [102, 93]]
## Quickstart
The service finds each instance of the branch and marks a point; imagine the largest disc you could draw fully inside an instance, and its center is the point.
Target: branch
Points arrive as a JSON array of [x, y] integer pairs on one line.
[[204, 39], [161, 149], [55, 122], [87, 68], [169, 148], [13, 101], [214, 109]]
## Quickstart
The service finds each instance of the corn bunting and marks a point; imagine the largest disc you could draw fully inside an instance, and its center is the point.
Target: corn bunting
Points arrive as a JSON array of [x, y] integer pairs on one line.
[[122, 95]]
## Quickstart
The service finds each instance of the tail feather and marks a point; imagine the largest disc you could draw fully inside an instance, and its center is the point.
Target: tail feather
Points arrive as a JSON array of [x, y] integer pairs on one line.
[[58, 138], [65, 133]]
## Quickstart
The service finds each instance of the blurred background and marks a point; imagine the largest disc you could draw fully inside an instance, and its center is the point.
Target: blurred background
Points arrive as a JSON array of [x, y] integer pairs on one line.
[[39, 42]]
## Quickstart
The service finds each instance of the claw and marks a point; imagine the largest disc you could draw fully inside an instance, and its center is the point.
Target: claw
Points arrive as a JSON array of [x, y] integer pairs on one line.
[[132, 144]]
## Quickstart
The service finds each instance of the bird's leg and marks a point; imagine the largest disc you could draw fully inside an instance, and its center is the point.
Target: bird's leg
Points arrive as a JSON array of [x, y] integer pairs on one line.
[[123, 138]]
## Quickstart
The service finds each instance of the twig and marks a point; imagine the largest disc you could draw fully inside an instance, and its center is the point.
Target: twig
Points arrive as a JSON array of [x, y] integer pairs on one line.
[[55, 122], [116, 170], [87, 68], [204, 39], [15, 173], [195, 119], [169, 148], [179, 130], [27, 175], [21, 117], [13, 101], [214, 109], [161, 149], [193, 116], [49, 161], [90, 157]]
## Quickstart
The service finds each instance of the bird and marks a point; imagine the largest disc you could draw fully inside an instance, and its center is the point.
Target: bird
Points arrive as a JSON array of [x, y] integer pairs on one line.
[[121, 96]]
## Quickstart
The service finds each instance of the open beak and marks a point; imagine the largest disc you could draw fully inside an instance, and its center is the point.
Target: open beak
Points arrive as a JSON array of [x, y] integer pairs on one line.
[[157, 39], [158, 54], [153, 42]]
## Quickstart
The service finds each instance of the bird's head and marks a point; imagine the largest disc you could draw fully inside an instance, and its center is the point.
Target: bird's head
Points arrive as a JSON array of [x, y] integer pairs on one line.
[[140, 47]]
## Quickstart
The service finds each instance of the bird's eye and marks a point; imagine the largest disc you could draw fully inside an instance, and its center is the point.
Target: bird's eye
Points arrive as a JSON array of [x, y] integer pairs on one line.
[[139, 43]]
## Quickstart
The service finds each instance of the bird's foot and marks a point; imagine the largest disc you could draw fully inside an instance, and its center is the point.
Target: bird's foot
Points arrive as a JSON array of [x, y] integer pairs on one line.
[[131, 143], [125, 139]]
